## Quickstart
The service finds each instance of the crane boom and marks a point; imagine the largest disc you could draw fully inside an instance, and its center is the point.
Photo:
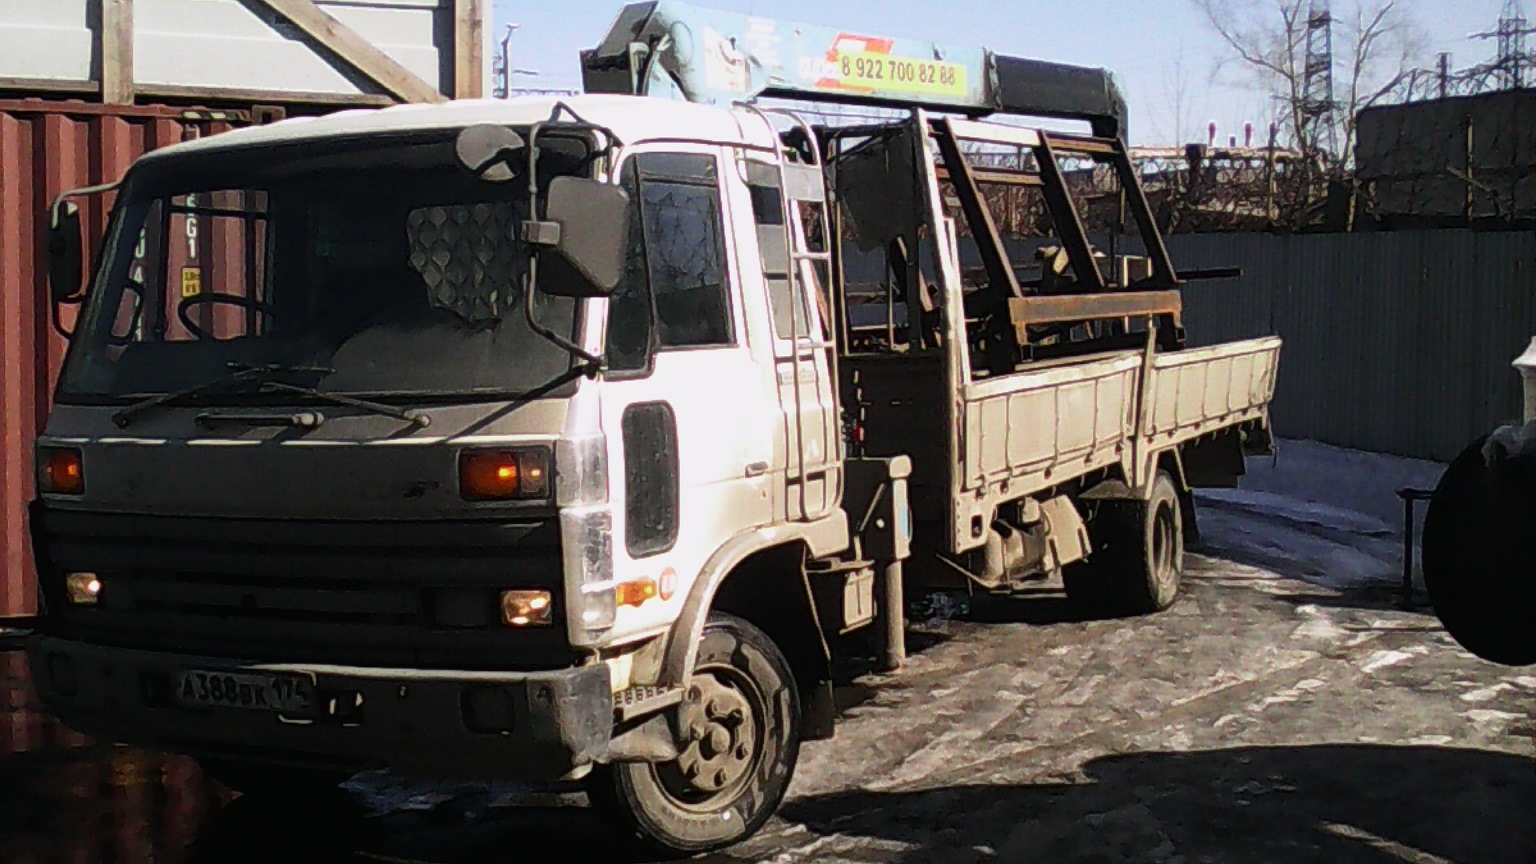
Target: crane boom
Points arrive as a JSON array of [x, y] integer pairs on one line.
[[676, 50]]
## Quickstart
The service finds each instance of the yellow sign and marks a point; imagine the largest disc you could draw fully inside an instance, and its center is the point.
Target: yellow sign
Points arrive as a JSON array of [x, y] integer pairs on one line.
[[869, 70], [191, 281]]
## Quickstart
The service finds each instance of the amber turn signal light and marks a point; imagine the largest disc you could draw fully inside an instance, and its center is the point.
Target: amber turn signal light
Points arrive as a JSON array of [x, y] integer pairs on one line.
[[635, 592], [60, 470], [503, 475]]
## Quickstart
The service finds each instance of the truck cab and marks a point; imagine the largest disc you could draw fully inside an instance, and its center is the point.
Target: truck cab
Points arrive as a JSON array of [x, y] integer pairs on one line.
[[317, 491]]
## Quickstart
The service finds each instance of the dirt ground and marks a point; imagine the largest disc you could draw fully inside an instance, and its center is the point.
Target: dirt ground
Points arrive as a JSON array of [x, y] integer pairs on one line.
[[1285, 710], [1261, 719]]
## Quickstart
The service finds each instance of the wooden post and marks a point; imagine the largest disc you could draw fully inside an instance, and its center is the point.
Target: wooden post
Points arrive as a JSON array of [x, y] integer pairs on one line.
[[115, 48], [468, 49], [1471, 184]]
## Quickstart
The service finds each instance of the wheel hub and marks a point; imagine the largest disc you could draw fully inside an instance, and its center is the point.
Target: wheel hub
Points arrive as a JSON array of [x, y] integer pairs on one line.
[[722, 735]]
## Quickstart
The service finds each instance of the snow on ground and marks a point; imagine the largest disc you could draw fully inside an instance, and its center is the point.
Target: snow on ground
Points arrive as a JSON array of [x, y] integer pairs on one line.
[[1325, 514]]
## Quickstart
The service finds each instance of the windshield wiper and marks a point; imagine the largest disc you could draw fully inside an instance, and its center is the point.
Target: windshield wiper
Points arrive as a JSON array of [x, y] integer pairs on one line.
[[242, 373], [419, 418]]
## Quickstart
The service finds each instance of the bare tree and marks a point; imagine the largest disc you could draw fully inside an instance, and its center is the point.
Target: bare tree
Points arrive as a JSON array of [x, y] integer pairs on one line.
[[1374, 48]]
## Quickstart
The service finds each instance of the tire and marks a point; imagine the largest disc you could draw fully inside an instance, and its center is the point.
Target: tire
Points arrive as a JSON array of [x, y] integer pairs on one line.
[[1137, 558], [742, 696], [1479, 554], [261, 779]]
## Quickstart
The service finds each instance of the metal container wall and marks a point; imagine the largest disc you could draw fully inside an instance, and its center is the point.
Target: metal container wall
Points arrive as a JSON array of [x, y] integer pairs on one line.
[[47, 147], [1397, 342]]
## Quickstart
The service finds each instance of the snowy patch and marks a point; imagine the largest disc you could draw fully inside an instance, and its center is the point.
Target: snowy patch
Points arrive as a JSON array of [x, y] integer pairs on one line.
[[382, 792], [1489, 717], [1300, 512], [1323, 514], [1289, 694], [1485, 694], [1382, 659]]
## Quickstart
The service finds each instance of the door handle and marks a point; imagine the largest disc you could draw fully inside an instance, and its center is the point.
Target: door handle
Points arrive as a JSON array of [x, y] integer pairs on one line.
[[757, 469]]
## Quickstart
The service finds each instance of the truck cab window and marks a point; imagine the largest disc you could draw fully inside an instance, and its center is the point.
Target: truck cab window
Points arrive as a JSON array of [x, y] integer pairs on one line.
[[786, 295], [685, 258], [674, 293]]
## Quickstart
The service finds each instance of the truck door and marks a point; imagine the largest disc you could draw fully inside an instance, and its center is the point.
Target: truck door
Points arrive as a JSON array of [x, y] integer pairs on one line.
[[789, 209], [690, 434]]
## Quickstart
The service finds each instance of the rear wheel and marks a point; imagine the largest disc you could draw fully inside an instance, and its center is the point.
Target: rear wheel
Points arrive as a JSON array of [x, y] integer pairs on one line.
[[1138, 555], [741, 713]]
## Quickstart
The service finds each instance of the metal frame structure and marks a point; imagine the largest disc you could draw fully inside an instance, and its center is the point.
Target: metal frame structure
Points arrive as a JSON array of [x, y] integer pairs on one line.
[[1020, 312]]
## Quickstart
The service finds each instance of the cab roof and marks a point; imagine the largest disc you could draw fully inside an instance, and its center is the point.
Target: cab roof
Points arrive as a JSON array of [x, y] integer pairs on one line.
[[632, 118]]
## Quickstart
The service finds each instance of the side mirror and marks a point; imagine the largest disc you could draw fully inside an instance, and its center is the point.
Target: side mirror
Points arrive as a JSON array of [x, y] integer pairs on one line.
[[66, 255], [591, 235], [487, 150]]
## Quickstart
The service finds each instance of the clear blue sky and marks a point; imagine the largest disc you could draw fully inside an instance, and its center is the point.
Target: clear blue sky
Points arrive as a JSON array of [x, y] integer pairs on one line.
[[1150, 44]]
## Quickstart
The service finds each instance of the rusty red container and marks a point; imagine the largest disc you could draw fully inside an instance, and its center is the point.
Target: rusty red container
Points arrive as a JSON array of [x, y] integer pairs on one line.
[[47, 147]]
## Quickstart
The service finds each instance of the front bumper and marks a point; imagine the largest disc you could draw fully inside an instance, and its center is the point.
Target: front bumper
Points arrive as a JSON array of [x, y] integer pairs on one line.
[[532, 726]]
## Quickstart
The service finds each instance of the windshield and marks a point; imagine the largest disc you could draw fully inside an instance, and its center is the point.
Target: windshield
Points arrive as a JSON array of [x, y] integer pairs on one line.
[[382, 260]]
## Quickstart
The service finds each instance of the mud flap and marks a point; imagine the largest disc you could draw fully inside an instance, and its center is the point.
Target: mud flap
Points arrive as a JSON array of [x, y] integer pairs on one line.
[[819, 715]]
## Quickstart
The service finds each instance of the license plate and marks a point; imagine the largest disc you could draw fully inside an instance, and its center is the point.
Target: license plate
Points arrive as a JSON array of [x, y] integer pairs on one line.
[[283, 693]]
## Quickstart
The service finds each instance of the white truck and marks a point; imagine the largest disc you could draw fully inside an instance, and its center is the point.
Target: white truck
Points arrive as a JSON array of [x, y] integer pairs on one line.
[[550, 439]]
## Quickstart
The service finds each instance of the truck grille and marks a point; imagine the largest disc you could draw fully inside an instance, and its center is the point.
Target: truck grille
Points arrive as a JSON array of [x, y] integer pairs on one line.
[[416, 594]]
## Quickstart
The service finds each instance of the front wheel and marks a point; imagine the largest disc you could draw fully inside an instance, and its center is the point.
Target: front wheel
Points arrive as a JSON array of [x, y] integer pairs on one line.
[[741, 713]]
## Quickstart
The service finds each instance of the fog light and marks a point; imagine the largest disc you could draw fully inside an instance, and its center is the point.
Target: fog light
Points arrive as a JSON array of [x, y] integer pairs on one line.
[[60, 470], [526, 608], [82, 589]]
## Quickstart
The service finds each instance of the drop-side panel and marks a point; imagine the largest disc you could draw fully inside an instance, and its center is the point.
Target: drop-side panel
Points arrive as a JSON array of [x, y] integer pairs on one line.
[[1039, 427], [1195, 392], [1047, 425]]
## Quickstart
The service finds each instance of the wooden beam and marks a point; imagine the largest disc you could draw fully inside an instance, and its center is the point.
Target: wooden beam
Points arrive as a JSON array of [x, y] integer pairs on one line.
[[354, 50], [1073, 308], [32, 86], [269, 97], [998, 177], [115, 48], [468, 49]]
